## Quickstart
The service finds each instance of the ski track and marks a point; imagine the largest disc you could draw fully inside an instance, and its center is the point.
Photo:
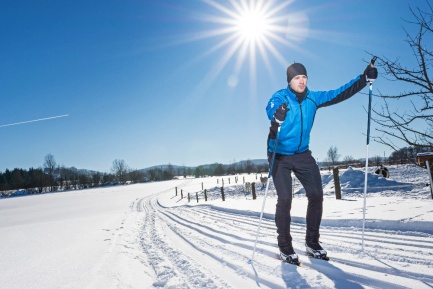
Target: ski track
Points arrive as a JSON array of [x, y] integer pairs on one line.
[[203, 247], [173, 268]]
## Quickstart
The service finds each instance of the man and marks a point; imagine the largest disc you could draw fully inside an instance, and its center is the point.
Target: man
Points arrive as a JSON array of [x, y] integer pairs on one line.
[[294, 109]]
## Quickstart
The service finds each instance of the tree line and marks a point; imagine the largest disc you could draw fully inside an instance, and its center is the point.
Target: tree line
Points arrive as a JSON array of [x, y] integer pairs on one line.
[[53, 177], [405, 155]]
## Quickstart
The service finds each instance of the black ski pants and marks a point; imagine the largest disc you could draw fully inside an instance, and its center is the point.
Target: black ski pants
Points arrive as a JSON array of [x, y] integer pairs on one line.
[[305, 168]]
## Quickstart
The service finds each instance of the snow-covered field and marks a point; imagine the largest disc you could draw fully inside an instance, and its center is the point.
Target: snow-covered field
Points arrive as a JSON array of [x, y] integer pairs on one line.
[[144, 236]]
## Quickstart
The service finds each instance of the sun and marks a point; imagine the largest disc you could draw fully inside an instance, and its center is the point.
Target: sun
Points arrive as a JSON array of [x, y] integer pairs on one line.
[[252, 25], [252, 29], [248, 36]]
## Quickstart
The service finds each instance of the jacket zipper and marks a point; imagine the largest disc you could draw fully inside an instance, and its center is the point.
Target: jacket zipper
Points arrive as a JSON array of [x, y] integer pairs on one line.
[[302, 127]]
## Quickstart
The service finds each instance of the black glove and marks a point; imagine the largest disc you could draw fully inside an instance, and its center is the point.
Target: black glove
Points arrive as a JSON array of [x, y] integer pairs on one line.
[[280, 114], [370, 73]]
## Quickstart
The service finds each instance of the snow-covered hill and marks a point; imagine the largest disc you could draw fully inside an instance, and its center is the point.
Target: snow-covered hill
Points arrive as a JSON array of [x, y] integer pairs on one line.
[[146, 236]]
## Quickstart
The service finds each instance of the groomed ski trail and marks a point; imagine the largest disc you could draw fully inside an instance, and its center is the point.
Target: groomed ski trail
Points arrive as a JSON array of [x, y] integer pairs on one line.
[[208, 247]]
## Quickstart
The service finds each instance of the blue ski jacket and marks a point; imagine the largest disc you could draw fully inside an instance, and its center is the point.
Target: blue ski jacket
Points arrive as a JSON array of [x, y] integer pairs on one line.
[[294, 136]]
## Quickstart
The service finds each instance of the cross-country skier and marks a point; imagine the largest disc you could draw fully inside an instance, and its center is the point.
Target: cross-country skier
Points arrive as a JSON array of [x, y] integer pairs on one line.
[[294, 108]]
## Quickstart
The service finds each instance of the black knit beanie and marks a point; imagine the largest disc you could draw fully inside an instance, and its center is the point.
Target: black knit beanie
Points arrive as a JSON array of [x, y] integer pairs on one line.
[[294, 70]]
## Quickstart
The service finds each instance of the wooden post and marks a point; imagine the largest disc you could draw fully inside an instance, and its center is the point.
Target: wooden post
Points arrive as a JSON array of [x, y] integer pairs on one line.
[[263, 180], [337, 184], [425, 160], [247, 187], [429, 169], [176, 191], [229, 180], [202, 186], [181, 194], [222, 194], [189, 199], [205, 196], [196, 195], [253, 189]]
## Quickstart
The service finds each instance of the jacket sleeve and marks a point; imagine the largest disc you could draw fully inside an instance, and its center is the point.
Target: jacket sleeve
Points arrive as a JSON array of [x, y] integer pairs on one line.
[[275, 102], [346, 91]]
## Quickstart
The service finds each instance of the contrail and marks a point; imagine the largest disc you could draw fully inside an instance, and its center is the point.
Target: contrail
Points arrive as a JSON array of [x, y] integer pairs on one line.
[[34, 120]]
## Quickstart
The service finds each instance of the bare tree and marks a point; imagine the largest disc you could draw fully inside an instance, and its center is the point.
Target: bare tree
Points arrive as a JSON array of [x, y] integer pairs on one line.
[[120, 169], [219, 170], [168, 173], [50, 166], [333, 155], [96, 179], [249, 166], [154, 174], [349, 160], [136, 176], [414, 125], [376, 160]]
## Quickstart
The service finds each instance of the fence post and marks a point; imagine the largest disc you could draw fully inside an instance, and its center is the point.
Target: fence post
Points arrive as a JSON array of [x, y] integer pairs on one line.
[[253, 190], [196, 195], [263, 180], [430, 173], [202, 186], [181, 194], [205, 196], [189, 199], [176, 191], [425, 160], [337, 184], [222, 194], [247, 187], [229, 180]]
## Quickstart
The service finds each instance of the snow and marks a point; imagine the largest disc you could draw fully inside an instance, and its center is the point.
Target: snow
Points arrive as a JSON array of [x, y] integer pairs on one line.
[[144, 236]]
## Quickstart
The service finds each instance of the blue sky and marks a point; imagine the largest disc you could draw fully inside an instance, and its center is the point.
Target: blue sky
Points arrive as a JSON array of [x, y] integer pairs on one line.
[[158, 82]]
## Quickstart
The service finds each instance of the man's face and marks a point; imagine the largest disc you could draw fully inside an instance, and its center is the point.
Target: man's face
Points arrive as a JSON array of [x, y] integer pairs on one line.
[[299, 83]]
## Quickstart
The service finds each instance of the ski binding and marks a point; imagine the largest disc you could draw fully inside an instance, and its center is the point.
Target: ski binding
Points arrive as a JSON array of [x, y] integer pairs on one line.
[[291, 259], [318, 254]]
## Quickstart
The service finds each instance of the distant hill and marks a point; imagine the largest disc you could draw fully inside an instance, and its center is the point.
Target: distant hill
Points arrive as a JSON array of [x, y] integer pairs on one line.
[[176, 167]]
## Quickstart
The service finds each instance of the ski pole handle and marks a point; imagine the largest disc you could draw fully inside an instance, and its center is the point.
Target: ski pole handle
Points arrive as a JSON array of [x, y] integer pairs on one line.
[[371, 72], [280, 114], [372, 61]]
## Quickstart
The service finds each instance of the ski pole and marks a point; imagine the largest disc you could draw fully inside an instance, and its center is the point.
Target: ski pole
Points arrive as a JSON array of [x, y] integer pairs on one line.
[[266, 193], [366, 159]]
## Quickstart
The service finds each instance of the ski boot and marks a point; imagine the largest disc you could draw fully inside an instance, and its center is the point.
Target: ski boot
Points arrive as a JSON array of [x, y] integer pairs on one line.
[[288, 255], [316, 251]]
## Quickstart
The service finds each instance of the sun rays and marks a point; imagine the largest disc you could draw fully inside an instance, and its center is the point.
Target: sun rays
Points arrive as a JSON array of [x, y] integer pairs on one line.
[[246, 42], [252, 32]]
